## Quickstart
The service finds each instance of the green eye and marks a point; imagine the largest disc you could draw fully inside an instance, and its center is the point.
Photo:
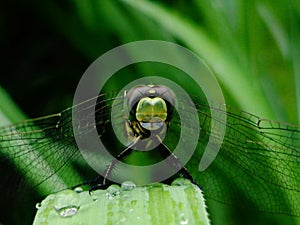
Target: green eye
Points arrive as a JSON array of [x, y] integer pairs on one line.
[[151, 112]]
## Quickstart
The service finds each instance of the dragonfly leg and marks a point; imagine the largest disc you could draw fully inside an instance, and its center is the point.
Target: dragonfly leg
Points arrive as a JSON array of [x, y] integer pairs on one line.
[[104, 184], [174, 161], [111, 166]]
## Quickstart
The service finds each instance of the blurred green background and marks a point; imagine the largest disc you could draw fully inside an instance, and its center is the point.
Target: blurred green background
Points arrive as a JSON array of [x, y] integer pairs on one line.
[[252, 46]]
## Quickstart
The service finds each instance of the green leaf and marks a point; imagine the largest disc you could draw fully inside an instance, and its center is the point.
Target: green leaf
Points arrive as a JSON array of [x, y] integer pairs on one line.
[[181, 203], [9, 111]]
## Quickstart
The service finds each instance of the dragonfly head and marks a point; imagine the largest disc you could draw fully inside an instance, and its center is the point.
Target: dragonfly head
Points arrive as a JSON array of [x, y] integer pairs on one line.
[[151, 106]]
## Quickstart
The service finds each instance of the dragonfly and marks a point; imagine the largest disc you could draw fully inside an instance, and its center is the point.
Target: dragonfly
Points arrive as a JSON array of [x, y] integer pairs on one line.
[[258, 158]]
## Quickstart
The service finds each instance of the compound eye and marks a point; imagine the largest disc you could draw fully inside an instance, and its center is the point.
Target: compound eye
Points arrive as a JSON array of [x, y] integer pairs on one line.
[[151, 112]]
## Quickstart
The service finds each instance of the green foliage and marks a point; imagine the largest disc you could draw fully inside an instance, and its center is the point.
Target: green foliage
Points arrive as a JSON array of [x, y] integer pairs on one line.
[[252, 46], [152, 205]]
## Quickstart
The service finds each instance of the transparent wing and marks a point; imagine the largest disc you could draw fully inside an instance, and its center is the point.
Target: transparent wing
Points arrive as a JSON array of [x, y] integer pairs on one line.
[[42, 153], [258, 160]]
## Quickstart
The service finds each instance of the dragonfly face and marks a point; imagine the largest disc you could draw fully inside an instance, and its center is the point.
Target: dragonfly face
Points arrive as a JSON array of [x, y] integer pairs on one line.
[[151, 108]]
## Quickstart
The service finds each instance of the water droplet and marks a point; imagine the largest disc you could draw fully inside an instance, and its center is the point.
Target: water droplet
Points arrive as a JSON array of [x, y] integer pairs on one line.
[[127, 186], [180, 182], [122, 220], [38, 205], [78, 189], [131, 210], [113, 191], [183, 219], [97, 194], [67, 203]]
